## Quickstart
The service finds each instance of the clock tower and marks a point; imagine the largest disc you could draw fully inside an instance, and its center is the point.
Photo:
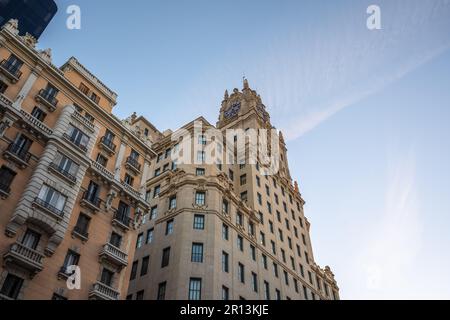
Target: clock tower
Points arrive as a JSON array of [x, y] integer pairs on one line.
[[243, 105]]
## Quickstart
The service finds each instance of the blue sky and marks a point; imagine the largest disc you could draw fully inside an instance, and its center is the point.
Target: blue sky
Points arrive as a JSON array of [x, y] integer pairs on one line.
[[365, 112]]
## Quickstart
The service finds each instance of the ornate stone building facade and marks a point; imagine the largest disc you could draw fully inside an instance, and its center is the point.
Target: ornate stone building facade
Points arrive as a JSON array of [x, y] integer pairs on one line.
[[72, 178], [225, 229], [141, 213]]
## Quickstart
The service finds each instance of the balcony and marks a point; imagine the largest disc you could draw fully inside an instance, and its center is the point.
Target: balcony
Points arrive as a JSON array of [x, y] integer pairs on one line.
[[25, 257], [114, 255], [5, 190], [60, 171], [11, 71], [91, 201], [108, 145], [48, 208], [17, 154], [46, 98], [133, 165], [101, 291], [35, 123], [83, 148], [82, 119], [122, 220]]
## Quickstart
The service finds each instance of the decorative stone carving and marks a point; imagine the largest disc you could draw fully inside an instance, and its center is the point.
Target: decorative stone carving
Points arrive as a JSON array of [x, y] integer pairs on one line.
[[12, 26], [46, 55], [29, 40]]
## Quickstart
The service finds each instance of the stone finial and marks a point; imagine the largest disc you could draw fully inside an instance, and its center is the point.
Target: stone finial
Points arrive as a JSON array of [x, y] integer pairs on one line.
[[296, 187], [226, 95], [133, 117], [246, 85], [12, 26], [281, 137], [46, 55], [29, 40]]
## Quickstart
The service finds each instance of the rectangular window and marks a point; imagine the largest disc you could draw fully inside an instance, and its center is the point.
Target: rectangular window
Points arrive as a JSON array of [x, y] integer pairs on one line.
[[225, 266], [266, 290], [165, 257], [12, 286], [157, 172], [267, 190], [72, 259], [264, 261], [156, 191], [240, 243], [31, 239], [239, 219], [243, 179], [275, 270], [199, 222], [286, 278], [258, 181], [140, 295], [195, 289], [258, 195], [38, 114], [169, 227], [200, 172], [153, 212], [244, 196], [95, 98], [52, 199], [149, 236], [197, 252], [231, 175], [200, 198], [115, 240], [251, 228], [107, 277], [78, 137], [305, 292], [254, 282], [241, 273], [3, 87], [82, 225], [225, 206], [225, 293], [172, 202], [200, 156], [140, 240], [129, 180], [6, 178], [202, 139], [277, 294], [253, 252], [83, 88], [269, 207], [102, 160], [262, 238], [134, 268], [144, 266], [161, 291], [225, 234]]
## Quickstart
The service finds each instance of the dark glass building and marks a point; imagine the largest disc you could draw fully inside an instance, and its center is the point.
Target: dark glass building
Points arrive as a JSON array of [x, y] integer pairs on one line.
[[33, 15]]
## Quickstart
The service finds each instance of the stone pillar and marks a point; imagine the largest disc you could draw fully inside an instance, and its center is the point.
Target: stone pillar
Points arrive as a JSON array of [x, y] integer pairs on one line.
[[25, 90], [118, 165]]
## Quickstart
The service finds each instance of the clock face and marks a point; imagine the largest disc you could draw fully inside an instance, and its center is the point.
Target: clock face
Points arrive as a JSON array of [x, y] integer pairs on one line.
[[233, 110]]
